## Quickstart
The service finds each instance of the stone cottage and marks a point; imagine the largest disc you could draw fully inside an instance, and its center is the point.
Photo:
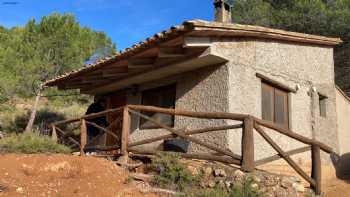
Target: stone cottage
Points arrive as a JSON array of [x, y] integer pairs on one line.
[[283, 77]]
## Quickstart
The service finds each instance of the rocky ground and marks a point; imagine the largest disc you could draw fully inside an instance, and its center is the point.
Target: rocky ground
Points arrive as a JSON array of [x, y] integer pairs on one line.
[[62, 175]]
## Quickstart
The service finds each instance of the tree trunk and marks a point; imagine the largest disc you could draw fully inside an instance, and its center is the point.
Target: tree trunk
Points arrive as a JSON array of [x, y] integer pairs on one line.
[[29, 127]]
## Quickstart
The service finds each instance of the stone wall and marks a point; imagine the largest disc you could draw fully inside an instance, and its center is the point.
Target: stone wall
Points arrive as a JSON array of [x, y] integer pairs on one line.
[[343, 120], [204, 90], [290, 64]]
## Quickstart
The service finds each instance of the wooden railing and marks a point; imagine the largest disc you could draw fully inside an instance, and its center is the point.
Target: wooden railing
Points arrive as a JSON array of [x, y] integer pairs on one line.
[[246, 159]]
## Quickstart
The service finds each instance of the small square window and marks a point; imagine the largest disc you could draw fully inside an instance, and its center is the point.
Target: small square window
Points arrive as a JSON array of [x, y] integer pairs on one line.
[[322, 105]]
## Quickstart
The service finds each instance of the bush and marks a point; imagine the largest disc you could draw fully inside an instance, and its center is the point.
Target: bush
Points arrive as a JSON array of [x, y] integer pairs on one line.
[[30, 144], [246, 189], [172, 174]]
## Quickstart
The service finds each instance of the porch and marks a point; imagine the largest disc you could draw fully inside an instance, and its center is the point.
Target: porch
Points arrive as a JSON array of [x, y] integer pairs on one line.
[[119, 129]]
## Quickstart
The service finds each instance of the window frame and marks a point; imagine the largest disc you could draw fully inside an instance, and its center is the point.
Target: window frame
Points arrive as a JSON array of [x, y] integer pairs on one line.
[[285, 93], [159, 91], [322, 104]]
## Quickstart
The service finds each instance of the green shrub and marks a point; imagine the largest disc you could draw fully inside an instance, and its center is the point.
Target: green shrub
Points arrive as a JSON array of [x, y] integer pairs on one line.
[[30, 144], [172, 174], [246, 189]]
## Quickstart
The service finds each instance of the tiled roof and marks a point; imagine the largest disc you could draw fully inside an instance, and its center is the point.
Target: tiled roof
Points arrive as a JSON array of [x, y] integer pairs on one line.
[[201, 28]]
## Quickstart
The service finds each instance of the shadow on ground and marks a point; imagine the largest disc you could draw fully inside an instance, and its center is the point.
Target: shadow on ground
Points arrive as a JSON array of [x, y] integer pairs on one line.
[[342, 166]]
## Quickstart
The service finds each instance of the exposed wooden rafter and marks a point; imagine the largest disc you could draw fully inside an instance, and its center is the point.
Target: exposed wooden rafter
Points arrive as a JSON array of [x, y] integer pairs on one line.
[[171, 52], [190, 42]]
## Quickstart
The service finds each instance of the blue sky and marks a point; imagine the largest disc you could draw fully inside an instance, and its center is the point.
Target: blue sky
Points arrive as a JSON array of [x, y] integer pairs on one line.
[[125, 21]]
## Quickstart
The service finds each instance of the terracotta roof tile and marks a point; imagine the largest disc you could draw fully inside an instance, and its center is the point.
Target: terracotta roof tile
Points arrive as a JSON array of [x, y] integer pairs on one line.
[[197, 27]]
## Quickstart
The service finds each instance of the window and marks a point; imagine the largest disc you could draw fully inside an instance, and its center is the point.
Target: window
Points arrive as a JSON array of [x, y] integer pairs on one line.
[[275, 105], [160, 97], [322, 101]]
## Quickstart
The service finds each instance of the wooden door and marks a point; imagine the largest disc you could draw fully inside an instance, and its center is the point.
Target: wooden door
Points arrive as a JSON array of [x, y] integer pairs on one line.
[[115, 101]]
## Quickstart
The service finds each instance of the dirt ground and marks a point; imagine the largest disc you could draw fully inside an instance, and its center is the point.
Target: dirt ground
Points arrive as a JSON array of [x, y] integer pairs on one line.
[[62, 175]]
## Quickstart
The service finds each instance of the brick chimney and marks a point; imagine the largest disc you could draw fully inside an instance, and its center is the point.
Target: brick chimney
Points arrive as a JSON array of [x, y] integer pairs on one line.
[[223, 12]]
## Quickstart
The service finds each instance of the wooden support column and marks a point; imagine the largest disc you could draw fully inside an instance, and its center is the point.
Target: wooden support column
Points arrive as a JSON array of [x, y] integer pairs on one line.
[[248, 145], [83, 137], [125, 136], [316, 168], [54, 133]]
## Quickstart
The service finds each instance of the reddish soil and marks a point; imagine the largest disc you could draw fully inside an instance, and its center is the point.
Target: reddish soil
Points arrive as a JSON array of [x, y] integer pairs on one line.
[[62, 175]]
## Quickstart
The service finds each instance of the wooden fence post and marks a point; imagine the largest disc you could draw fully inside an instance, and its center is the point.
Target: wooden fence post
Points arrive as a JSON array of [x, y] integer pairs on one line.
[[125, 135], [248, 163], [83, 137], [54, 133], [316, 168]]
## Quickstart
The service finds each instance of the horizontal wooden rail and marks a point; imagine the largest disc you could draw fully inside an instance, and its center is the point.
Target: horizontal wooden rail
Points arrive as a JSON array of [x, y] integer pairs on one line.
[[200, 156], [193, 132], [202, 115], [294, 135], [101, 148], [90, 116], [184, 136]]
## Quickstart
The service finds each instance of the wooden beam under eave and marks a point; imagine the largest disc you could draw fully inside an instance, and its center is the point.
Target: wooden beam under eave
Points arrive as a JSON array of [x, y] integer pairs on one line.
[[94, 81], [141, 61], [171, 52], [73, 86], [194, 42], [109, 74], [158, 73]]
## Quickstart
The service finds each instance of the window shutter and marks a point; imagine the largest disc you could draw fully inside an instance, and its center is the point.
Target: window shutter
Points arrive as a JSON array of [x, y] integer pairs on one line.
[[281, 108], [267, 102]]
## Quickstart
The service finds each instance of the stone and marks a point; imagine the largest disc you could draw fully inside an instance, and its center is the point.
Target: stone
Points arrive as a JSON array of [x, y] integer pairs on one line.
[[20, 190], [254, 186], [202, 184], [270, 181], [211, 184], [228, 184], [280, 192], [193, 170], [299, 187], [208, 171], [239, 175], [221, 184], [295, 179], [219, 173], [256, 179], [286, 182]]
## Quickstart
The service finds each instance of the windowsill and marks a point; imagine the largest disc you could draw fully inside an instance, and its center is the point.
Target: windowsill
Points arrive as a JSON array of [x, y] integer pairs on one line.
[[275, 83], [278, 125]]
